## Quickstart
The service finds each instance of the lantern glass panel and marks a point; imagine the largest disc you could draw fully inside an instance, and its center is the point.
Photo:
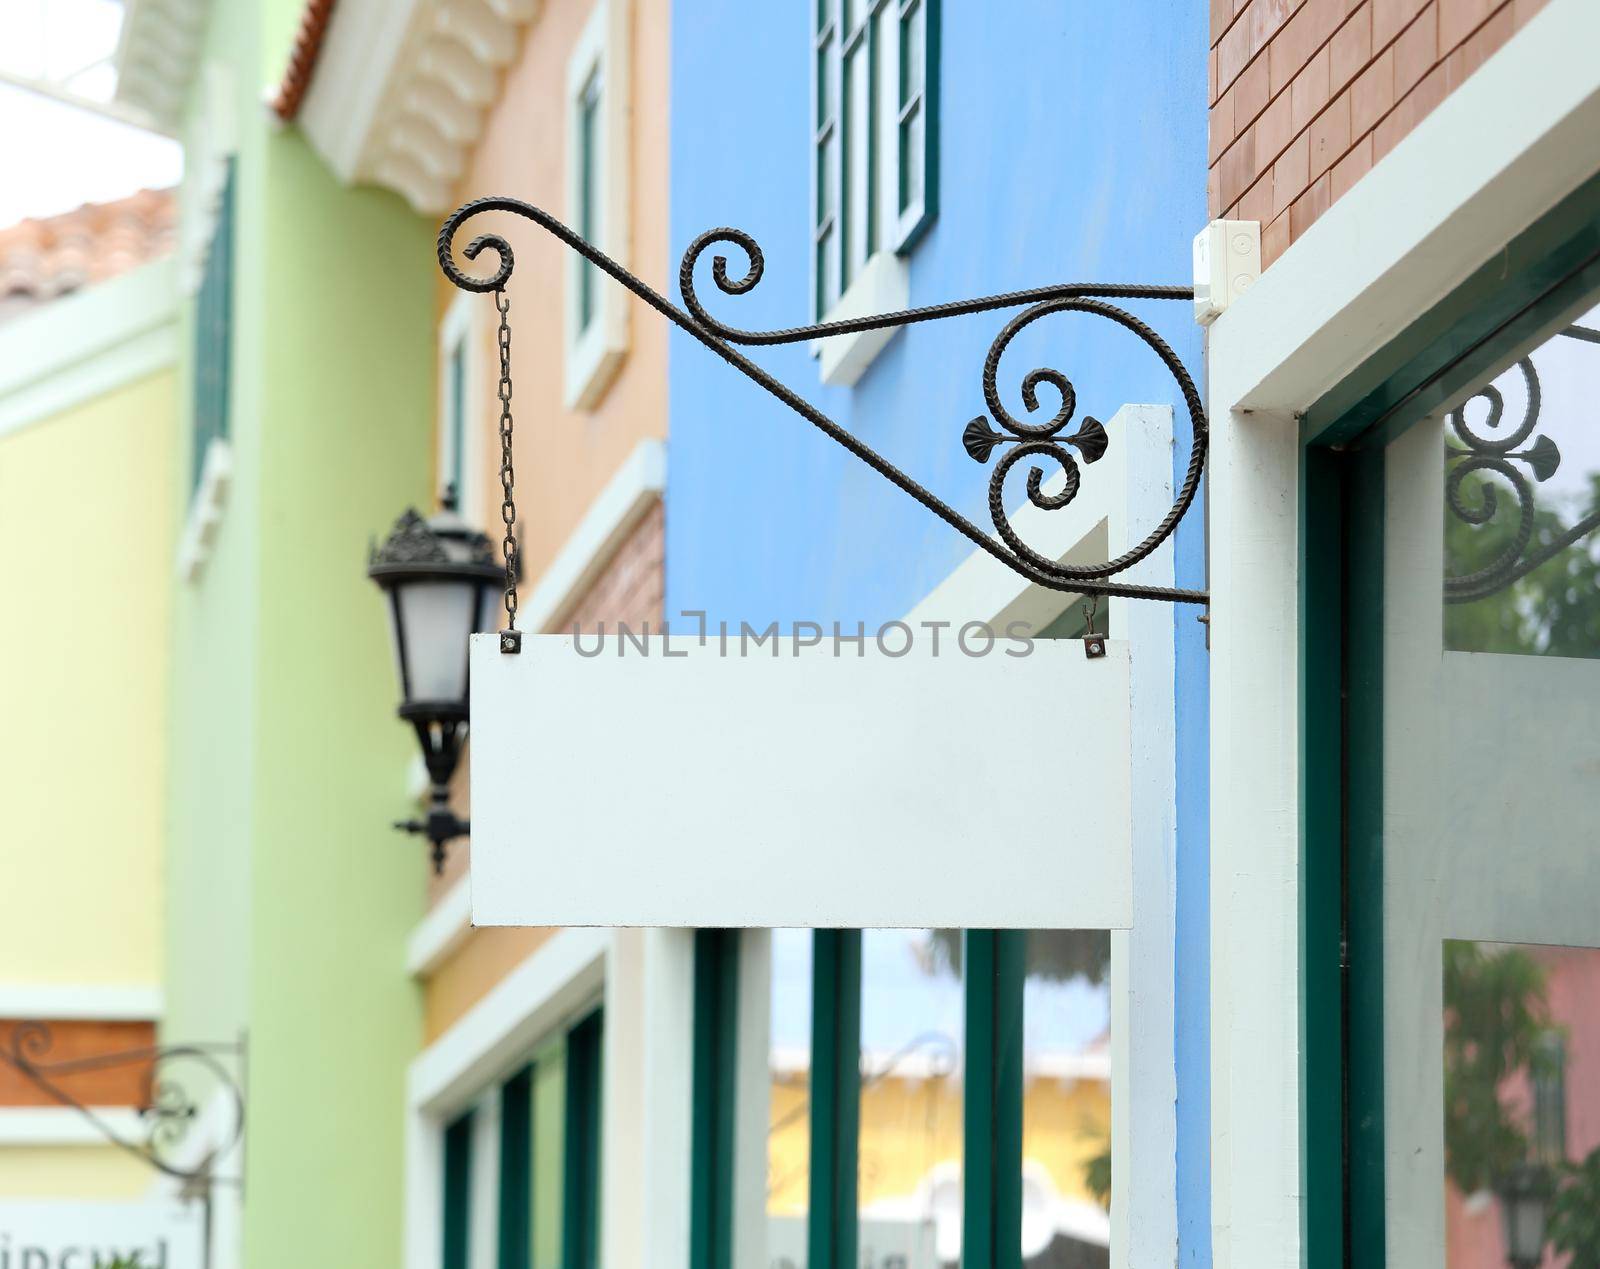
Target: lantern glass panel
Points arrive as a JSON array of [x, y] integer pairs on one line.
[[435, 620], [488, 609]]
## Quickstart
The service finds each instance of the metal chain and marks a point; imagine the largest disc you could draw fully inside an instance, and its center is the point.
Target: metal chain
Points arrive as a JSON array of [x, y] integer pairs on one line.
[[508, 505]]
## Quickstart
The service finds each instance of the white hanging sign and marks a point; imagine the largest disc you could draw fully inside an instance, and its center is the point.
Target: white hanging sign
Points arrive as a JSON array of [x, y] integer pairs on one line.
[[792, 782]]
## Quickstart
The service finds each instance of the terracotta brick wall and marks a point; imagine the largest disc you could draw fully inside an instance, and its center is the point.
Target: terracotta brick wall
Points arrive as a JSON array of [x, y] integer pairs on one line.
[[632, 588], [72, 1041], [1306, 95]]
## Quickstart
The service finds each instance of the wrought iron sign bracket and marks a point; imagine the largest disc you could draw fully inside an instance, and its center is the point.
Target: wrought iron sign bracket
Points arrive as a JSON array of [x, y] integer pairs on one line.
[[1042, 439], [166, 1107]]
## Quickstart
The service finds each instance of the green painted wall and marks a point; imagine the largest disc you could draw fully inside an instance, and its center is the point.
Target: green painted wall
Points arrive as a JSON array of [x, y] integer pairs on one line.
[[290, 895]]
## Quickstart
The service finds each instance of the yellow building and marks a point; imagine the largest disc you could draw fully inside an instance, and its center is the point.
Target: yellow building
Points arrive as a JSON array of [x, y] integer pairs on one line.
[[89, 339]]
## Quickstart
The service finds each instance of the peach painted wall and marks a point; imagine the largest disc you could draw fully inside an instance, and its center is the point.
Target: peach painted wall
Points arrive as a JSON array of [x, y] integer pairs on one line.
[[564, 458]]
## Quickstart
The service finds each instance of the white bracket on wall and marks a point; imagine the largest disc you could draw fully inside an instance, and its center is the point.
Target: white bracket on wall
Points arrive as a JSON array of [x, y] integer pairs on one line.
[[1227, 263]]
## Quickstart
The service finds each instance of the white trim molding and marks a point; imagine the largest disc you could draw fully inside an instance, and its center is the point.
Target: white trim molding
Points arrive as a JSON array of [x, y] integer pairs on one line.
[[600, 59], [204, 519], [611, 517], [158, 51], [438, 936], [882, 286], [84, 345], [461, 331], [1498, 152], [82, 1002], [36, 1126], [554, 985], [401, 87]]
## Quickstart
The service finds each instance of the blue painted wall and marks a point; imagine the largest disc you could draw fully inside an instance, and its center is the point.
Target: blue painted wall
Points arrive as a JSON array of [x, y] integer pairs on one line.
[[1073, 148]]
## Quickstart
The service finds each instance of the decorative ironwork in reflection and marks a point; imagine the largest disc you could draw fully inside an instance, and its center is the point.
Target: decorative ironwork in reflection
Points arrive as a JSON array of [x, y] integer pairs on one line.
[[166, 1107], [1521, 463], [1039, 440]]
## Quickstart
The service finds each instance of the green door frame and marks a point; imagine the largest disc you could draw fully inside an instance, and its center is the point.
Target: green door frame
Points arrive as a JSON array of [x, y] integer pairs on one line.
[[1457, 343]]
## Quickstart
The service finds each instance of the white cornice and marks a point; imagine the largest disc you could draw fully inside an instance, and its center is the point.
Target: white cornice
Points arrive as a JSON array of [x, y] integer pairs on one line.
[[158, 52], [77, 347], [64, 1126], [438, 935], [81, 1002], [401, 87]]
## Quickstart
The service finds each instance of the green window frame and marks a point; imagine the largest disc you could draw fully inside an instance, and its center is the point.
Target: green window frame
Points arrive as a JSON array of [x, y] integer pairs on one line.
[[995, 968], [589, 159], [456, 1224], [456, 424], [515, 1250], [580, 1222], [855, 112], [213, 334], [715, 1079], [547, 1196], [1343, 442]]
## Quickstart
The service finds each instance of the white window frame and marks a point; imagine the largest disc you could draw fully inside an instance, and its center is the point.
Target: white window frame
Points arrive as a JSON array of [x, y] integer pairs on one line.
[[644, 981], [461, 332], [1129, 490], [595, 352], [880, 280], [1412, 230]]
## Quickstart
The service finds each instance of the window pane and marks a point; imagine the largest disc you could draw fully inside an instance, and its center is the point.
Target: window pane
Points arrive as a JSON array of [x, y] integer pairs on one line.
[[454, 475], [1480, 824], [457, 1219], [911, 158], [1521, 1098], [858, 116], [581, 1202], [909, 1162], [1066, 1098], [912, 55], [549, 1152], [589, 141], [516, 1171], [1522, 503], [824, 73], [789, 1126]]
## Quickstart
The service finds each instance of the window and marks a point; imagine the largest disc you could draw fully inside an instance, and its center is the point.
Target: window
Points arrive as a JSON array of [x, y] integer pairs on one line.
[[597, 201], [213, 334], [461, 414], [520, 1167], [934, 1097], [874, 147], [580, 1243], [716, 1025]]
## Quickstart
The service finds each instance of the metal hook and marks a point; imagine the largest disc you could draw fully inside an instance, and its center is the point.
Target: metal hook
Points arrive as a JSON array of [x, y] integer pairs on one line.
[[1094, 645]]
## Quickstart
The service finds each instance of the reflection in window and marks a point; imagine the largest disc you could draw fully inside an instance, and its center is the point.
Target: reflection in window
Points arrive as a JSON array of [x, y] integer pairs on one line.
[[1522, 503], [1522, 1105], [789, 1126], [909, 1160], [1066, 1099]]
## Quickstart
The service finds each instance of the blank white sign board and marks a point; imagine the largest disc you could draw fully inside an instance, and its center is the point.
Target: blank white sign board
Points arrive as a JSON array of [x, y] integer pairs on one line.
[[701, 789]]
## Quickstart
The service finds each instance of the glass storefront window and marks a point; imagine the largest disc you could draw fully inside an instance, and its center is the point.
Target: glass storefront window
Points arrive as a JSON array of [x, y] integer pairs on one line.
[[1482, 953], [909, 1159], [789, 1127], [1522, 503], [1066, 1098]]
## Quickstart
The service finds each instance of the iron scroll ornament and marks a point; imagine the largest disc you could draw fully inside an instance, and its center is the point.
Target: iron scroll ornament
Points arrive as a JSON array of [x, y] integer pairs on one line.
[[1037, 440], [1489, 453], [166, 1107]]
